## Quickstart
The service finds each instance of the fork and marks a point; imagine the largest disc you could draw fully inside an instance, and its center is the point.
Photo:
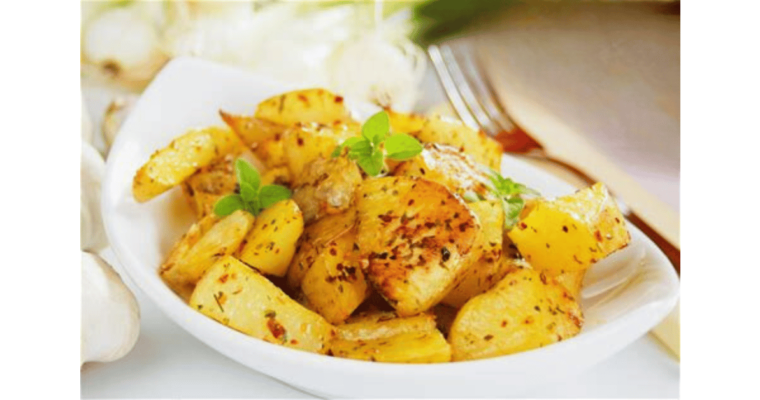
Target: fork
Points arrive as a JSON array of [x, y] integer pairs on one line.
[[473, 98]]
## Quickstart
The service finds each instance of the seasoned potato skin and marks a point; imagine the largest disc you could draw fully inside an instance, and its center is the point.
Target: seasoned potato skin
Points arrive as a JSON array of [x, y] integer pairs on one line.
[[310, 105], [383, 324], [411, 348], [178, 251], [184, 156], [571, 232], [477, 144], [450, 167], [239, 297], [250, 129], [326, 186], [270, 245], [219, 240], [315, 238], [524, 311], [334, 285], [413, 235], [306, 142]]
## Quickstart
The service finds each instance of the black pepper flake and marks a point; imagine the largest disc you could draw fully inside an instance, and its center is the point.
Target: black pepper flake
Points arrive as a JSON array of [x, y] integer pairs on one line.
[[564, 229], [445, 254]]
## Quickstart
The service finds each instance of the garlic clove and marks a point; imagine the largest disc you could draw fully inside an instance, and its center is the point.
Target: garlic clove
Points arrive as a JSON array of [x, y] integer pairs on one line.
[[92, 232], [110, 313], [115, 115], [87, 131]]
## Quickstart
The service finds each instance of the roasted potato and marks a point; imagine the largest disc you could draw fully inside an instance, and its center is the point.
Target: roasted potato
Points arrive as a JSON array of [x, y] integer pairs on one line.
[[383, 324], [306, 142], [571, 232], [237, 296], [251, 129], [524, 311], [405, 123], [221, 239], [449, 167], [310, 105], [313, 241], [572, 281], [184, 156], [270, 245], [411, 347], [326, 186], [477, 144], [334, 285], [272, 152], [178, 251], [413, 235], [277, 176]]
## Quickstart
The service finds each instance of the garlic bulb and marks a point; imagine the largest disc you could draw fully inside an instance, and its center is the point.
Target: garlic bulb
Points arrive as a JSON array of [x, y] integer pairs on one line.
[[92, 233], [124, 42], [115, 115], [110, 314], [87, 130]]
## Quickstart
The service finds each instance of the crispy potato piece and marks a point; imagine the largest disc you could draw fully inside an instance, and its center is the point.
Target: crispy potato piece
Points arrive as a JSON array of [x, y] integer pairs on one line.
[[449, 167], [414, 236], [306, 142], [383, 324], [571, 232], [524, 311], [326, 186], [278, 176], [239, 297], [314, 239], [411, 347], [572, 281], [477, 144], [484, 267], [178, 251], [334, 284], [310, 105], [184, 156], [251, 129], [222, 239], [405, 123], [270, 245], [272, 152]]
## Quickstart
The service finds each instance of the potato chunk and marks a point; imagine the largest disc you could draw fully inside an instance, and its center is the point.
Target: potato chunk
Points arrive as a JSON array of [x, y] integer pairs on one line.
[[221, 239], [334, 285], [307, 142], [326, 186], [251, 129], [184, 156], [405, 123], [449, 167], [314, 240], [239, 297], [571, 232], [524, 311], [310, 105], [413, 235], [271, 243], [477, 144], [272, 152], [410, 347], [383, 324], [178, 251], [572, 281]]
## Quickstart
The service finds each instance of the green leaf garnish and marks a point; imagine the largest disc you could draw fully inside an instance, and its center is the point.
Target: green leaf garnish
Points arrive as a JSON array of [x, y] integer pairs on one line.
[[376, 143], [510, 194], [252, 198]]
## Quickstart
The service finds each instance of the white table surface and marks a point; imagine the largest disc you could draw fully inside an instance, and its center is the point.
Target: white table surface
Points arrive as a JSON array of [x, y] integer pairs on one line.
[[168, 362]]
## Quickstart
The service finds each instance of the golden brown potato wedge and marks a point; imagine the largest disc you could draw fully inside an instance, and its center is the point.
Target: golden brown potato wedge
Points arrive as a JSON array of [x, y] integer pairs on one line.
[[307, 142], [414, 236], [524, 311], [334, 284], [178, 251], [326, 186], [405, 123], [310, 105], [571, 232], [204, 188], [271, 152], [184, 156], [277, 176], [413, 348], [449, 167], [270, 245], [383, 324], [313, 241], [239, 297], [251, 129], [477, 144], [221, 239], [572, 281]]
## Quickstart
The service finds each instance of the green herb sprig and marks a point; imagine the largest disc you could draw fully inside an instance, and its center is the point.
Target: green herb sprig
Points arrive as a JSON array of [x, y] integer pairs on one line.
[[252, 197], [376, 143], [510, 194]]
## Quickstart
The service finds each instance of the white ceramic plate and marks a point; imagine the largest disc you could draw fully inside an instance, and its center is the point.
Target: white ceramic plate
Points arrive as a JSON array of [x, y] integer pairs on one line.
[[625, 295]]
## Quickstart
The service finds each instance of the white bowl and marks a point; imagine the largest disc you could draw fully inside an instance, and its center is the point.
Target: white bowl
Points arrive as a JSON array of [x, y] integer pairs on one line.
[[632, 290]]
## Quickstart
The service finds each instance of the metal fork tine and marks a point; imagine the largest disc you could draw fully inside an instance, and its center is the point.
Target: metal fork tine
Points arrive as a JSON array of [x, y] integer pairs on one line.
[[487, 96], [450, 87], [486, 123]]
